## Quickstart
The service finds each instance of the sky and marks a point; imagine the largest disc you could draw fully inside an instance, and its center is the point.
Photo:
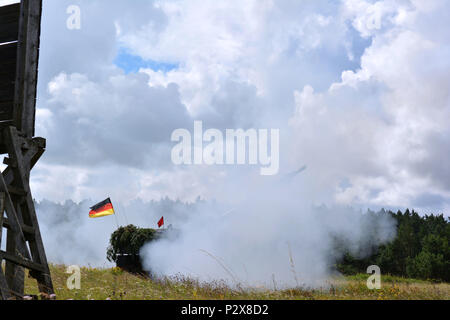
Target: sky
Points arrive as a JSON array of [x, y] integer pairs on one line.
[[359, 90]]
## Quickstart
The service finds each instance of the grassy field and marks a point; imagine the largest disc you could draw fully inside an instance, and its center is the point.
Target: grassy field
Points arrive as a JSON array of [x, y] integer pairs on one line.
[[114, 284]]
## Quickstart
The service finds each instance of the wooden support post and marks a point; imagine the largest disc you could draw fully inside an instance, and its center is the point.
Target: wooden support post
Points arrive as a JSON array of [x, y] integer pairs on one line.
[[26, 73], [21, 219], [2, 210], [25, 204], [20, 27], [15, 244], [4, 288]]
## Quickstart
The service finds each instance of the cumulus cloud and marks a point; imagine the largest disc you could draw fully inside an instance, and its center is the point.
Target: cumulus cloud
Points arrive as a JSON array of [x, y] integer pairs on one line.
[[394, 103]]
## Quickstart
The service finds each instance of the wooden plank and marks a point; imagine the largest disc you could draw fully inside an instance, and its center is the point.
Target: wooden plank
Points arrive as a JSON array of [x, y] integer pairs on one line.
[[21, 180], [15, 244], [3, 125], [26, 229], [2, 211], [7, 74], [7, 79], [21, 262], [18, 83], [10, 12], [40, 144], [9, 31], [9, 22], [8, 57], [6, 113], [15, 223], [31, 157], [16, 191], [8, 51], [27, 68], [4, 289], [15, 274], [7, 64], [7, 91]]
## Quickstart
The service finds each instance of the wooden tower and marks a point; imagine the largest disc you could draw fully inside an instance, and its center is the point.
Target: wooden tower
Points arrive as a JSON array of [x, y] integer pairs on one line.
[[19, 53]]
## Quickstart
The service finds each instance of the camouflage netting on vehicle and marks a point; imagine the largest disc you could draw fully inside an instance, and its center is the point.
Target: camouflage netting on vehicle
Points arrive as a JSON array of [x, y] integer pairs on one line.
[[129, 240]]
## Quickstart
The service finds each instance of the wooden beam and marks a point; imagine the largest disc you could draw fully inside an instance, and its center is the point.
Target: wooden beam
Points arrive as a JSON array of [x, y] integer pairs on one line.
[[9, 22], [14, 222], [15, 274], [16, 191], [2, 213], [8, 57], [10, 12], [22, 262], [4, 289], [27, 66], [26, 229], [21, 180], [31, 156], [19, 54]]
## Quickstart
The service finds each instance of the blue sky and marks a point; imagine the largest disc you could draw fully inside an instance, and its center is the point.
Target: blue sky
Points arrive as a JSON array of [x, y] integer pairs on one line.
[[133, 63]]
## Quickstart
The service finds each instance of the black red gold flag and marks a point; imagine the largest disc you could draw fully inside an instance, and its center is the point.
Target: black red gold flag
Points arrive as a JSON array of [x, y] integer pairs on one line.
[[102, 209]]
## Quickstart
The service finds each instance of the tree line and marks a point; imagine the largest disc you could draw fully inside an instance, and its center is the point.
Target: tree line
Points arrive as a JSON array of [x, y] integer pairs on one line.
[[420, 250]]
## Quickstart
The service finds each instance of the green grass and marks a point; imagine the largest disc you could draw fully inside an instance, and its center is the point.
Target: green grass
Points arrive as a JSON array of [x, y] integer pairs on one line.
[[114, 284], [389, 279]]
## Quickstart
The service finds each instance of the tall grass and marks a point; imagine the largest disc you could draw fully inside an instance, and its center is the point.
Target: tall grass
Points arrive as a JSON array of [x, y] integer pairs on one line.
[[115, 284]]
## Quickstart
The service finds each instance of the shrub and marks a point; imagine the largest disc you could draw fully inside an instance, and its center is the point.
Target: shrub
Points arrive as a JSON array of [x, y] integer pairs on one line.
[[129, 240]]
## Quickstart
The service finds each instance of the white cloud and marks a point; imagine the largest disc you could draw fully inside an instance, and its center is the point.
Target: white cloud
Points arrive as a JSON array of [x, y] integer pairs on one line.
[[272, 64], [403, 73]]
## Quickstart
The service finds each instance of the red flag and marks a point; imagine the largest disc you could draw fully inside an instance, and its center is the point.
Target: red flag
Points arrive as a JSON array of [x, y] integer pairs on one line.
[[161, 222]]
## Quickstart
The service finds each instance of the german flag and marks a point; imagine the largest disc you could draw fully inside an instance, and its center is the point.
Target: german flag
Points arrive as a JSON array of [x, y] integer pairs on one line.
[[102, 209]]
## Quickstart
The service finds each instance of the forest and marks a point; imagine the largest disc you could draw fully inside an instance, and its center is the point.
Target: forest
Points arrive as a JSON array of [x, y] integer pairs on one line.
[[420, 249]]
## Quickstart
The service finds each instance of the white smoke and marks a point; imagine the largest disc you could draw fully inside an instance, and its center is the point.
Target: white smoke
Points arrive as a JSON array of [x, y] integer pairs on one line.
[[273, 235], [71, 237]]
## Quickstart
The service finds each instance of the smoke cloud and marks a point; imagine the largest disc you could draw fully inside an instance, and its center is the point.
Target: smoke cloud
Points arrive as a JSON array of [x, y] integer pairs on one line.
[[71, 237], [273, 235]]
